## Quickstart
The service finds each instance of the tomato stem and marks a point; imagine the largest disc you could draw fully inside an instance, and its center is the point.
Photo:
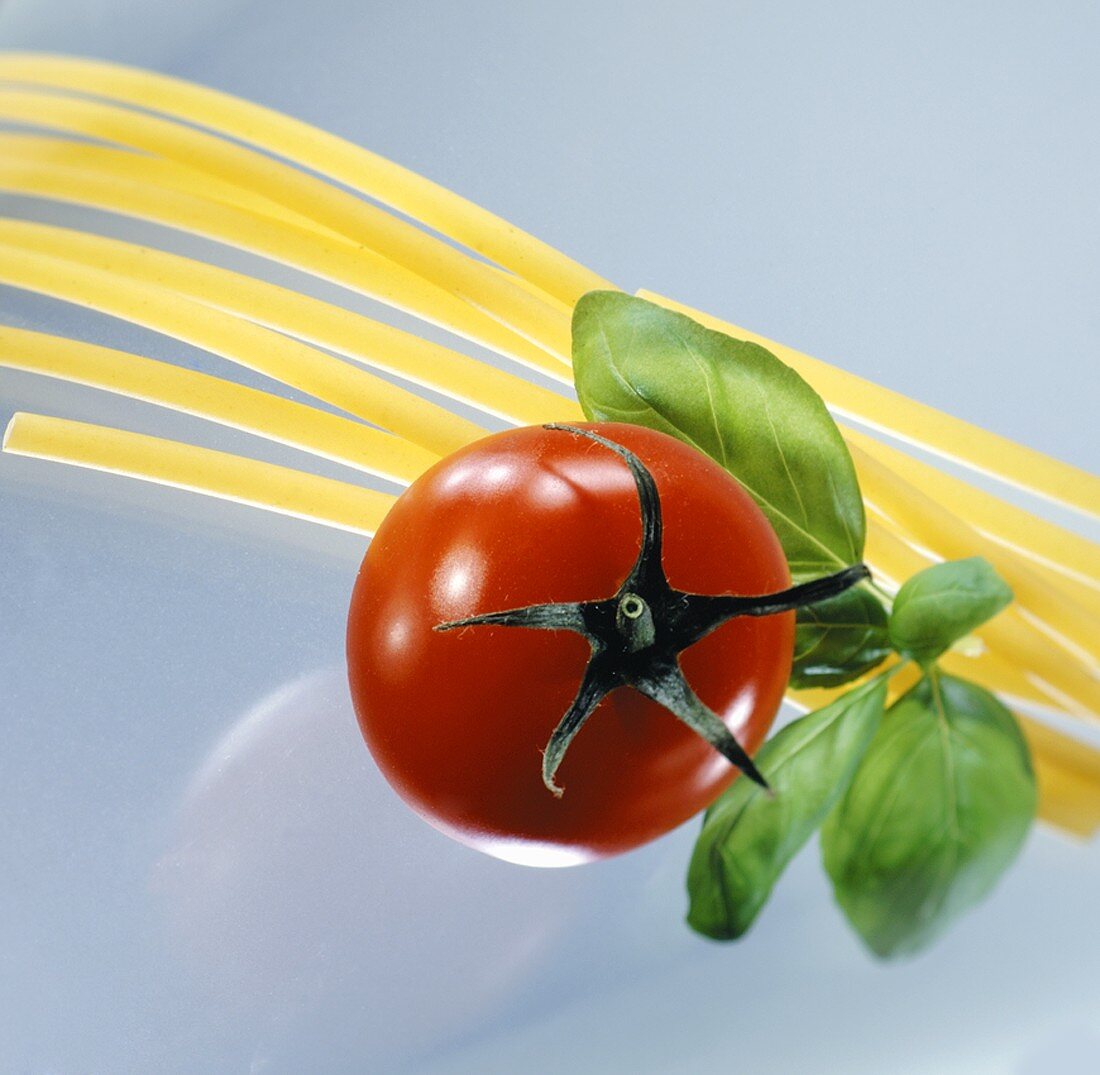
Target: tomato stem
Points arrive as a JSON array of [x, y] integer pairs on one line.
[[634, 620], [636, 635]]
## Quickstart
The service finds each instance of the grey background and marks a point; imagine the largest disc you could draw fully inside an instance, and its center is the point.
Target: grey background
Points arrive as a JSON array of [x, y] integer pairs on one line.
[[203, 872]]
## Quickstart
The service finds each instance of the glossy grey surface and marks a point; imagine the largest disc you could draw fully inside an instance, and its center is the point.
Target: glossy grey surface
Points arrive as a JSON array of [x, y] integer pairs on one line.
[[202, 869]]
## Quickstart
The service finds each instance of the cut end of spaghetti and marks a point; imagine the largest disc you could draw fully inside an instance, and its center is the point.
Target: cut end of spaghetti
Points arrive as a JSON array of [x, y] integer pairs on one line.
[[9, 432]]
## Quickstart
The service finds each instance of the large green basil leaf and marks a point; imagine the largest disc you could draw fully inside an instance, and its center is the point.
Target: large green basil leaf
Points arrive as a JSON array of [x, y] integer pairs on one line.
[[735, 401], [749, 837], [936, 812], [941, 604], [839, 639]]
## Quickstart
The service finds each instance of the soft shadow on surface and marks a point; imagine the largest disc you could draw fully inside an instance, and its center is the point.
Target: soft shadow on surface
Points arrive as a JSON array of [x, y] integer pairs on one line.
[[325, 918], [302, 894]]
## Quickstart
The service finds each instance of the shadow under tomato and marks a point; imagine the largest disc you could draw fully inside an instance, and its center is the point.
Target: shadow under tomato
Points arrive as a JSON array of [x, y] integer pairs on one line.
[[303, 895]]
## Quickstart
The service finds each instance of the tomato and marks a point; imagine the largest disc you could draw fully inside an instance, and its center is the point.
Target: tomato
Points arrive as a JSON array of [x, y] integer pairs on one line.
[[457, 720]]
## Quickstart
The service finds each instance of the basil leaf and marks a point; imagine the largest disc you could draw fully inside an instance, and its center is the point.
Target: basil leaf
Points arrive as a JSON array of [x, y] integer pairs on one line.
[[749, 837], [837, 640], [735, 401], [936, 812], [941, 604]]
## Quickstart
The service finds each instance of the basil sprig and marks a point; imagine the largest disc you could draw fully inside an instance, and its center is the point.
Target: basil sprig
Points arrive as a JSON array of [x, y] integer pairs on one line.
[[749, 836], [922, 806], [637, 362]]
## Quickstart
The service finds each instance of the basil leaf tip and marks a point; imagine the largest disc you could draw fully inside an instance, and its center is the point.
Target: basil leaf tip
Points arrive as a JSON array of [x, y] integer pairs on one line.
[[936, 812], [748, 837]]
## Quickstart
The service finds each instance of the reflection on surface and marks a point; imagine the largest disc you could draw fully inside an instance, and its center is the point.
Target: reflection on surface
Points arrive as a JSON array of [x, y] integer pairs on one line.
[[306, 897], [526, 852]]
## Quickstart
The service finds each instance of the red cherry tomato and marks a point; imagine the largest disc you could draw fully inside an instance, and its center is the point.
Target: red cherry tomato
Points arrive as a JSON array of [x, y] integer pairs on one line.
[[457, 720]]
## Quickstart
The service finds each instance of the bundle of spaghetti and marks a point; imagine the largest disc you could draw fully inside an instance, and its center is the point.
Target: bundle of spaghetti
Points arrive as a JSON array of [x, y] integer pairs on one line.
[[39, 168], [389, 237], [319, 151], [453, 217], [366, 341], [206, 165]]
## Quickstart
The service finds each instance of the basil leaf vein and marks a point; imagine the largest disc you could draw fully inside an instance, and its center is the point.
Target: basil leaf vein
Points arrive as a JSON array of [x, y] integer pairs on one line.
[[839, 639]]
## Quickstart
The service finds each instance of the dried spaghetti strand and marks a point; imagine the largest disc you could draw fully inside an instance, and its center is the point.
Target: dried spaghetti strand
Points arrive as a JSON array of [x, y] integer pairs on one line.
[[266, 415], [316, 149], [390, 237], [199, 470], [1070, 555], [936, 528], [1062, 585], [157, 173], [897, 415], [366, 341], [1068, 774], [1048, 668], [32, 167], [293, 363]]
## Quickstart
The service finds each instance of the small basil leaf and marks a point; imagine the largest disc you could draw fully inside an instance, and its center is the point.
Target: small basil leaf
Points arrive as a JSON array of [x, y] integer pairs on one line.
[[941, 604], [736, 402], [936, 812], [749, 837], [837, 640]]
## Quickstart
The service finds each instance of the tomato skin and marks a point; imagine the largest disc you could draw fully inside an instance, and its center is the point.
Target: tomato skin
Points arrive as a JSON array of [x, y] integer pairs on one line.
[[457, 720]]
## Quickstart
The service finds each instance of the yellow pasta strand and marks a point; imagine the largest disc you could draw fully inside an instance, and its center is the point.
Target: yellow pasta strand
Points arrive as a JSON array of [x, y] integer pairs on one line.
[[34, 167], [989, 669], [369, 342], [390, 237], [1084, 588], [199, 470], [1063, 551], [293, 363], [564, 309], [320, 151], [880, 408], [1044, 666], [935, 527], [1068, 775], [1061, 597], [166, 174], [262, 413], [1061, 585]]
